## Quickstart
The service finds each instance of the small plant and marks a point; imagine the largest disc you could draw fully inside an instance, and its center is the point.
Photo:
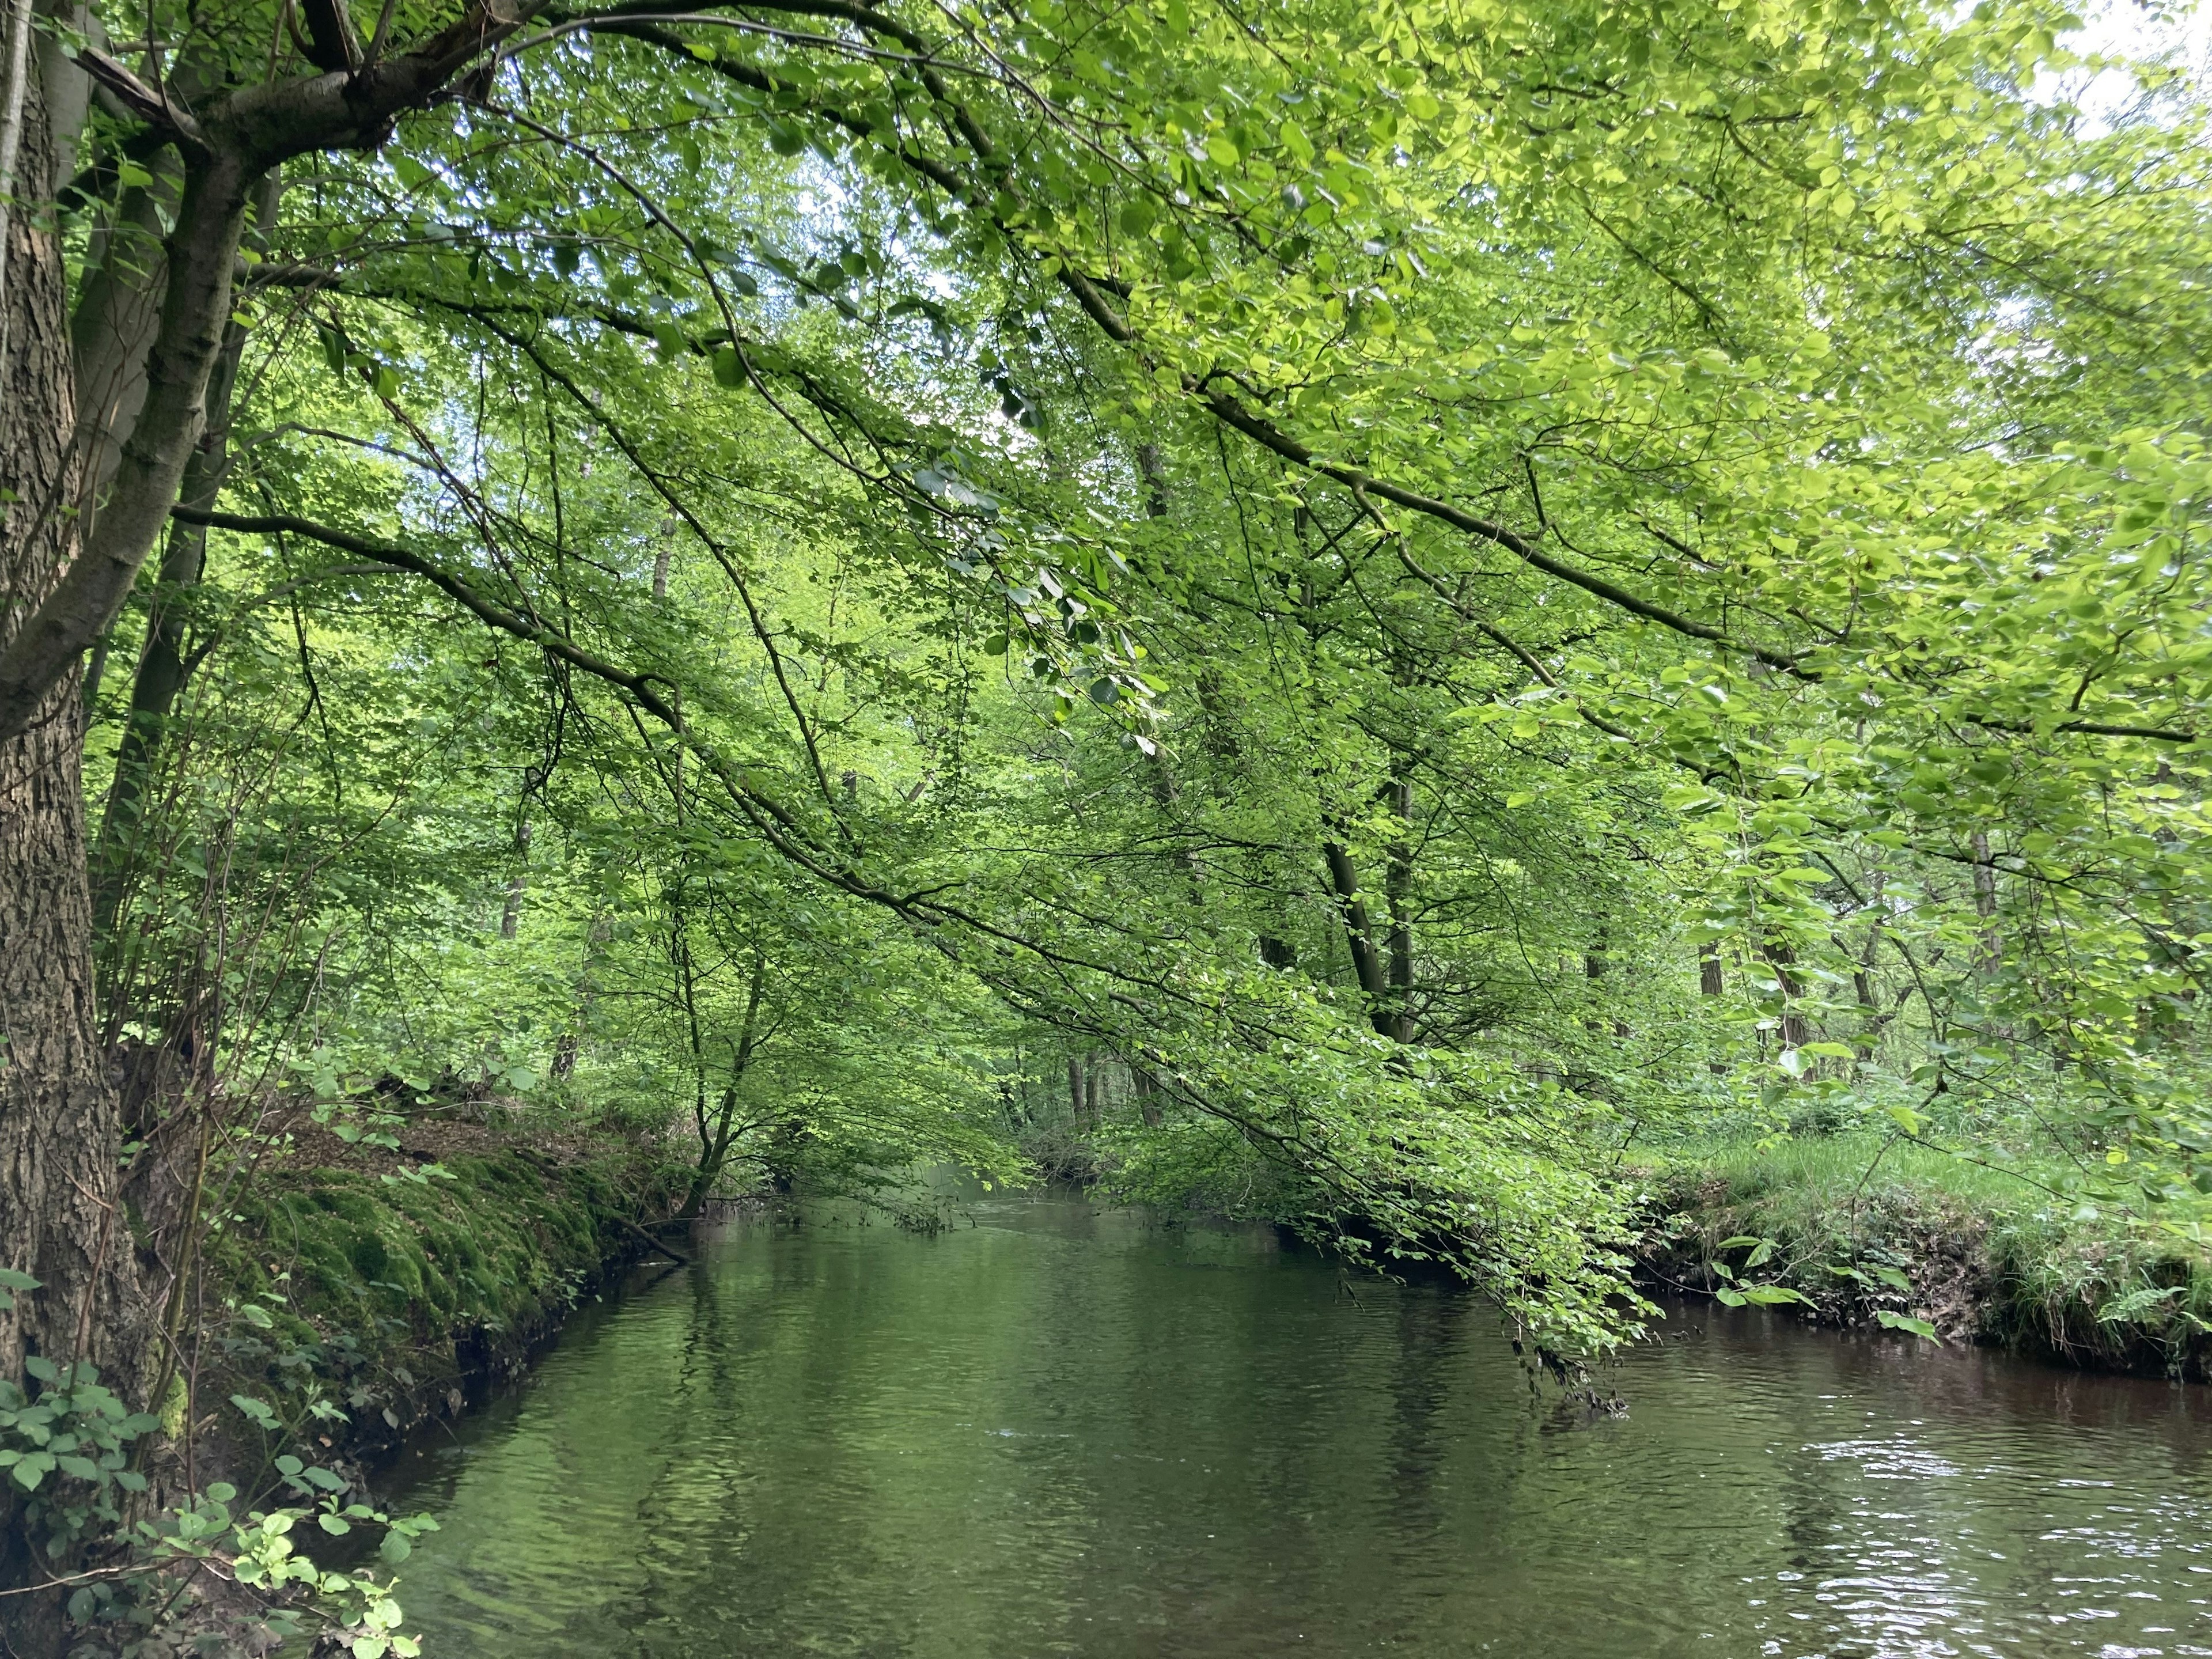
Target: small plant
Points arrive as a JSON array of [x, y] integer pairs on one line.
[[66, 1444]]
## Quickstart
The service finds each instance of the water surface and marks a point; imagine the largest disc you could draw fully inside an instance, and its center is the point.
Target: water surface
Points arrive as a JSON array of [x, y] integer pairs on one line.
[[1060, 1429]]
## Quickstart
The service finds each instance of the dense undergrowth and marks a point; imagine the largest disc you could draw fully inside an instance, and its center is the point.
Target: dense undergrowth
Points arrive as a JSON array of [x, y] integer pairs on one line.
[[1861, 1227]]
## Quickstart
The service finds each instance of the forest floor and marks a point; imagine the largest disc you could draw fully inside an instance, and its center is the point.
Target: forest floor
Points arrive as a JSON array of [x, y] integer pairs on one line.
[[1861, 1227]]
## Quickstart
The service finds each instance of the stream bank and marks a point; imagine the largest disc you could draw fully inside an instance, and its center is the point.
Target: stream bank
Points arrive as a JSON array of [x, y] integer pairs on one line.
[[1868, 1235], [355, 1290]]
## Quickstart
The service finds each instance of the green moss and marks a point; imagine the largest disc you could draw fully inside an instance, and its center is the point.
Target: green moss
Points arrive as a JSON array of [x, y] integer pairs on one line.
[[377, 1287]]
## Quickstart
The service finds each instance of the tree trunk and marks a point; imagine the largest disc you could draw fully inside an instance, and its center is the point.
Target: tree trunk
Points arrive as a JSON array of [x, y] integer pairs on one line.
[[510, 916], [1711, 982], [1986, 901], [1782, 957], [59, 1130], [1398, 896], [162, 669], [1359, 933]]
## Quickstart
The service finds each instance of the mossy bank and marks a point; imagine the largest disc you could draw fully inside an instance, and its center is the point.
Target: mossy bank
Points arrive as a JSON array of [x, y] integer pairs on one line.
[[352, 1291]]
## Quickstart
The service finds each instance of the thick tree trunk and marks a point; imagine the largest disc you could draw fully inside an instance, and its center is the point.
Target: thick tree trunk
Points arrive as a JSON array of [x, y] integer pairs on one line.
[[58, 1129]]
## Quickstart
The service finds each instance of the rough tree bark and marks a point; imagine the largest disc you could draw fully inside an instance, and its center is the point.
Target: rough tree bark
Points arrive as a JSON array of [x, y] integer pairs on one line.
[[58, 1124]]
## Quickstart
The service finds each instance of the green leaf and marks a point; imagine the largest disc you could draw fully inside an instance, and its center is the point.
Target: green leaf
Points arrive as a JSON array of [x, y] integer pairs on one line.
[[395, 1548], [31, 1469], [1897, 1322], [1772, 1295]]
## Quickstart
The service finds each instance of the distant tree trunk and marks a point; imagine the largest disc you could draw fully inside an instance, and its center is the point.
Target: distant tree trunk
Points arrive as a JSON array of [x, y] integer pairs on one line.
[[1711, 983], [1075, 1088], [1094, 1092], [715, 1138], [510, 917], [1360, 934], [59, 1218], [1148, 1095], [569, 1043], [1782, 957], [1863, 986], [1398, 898], [1986, 901]]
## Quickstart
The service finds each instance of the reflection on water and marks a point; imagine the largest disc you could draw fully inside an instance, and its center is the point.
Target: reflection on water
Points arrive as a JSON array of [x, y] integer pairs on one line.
[[1058, 1431]]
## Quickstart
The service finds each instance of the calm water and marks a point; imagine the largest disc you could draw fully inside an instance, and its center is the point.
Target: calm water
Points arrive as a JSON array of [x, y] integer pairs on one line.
[[1064, 1432]]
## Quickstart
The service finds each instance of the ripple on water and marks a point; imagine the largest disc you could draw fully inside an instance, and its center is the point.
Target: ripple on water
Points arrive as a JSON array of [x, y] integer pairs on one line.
[[1064, 1432]]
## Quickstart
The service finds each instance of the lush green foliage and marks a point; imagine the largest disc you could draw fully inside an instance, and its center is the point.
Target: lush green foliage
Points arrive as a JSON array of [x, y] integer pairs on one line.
[[1394, 603], [798, 568]]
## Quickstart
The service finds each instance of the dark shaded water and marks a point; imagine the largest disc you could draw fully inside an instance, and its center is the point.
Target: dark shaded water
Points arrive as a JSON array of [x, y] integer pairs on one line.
[[1063, 1431]]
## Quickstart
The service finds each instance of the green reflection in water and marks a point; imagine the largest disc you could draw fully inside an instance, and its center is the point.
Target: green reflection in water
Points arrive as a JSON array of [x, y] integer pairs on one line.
[[1064, 1432]]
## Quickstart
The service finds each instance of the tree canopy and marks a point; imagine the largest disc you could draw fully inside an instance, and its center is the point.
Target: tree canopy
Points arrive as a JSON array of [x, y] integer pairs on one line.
[[1440, 586]]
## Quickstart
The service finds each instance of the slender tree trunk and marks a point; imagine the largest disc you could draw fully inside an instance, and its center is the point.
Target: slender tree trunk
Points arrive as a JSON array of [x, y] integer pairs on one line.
[[1398, 897], [1862, 980], [1359, 933], [161, 667], [570, 1043], [1986, 901], [510, 916], [1796, 1030], [1711, 982], [714, 1144], [59, 1220]]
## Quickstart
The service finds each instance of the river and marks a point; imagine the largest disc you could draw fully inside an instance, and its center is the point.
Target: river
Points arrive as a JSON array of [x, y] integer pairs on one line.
[[1063, 1430]]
